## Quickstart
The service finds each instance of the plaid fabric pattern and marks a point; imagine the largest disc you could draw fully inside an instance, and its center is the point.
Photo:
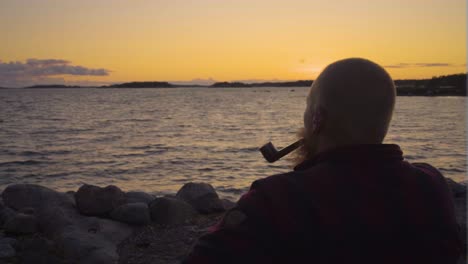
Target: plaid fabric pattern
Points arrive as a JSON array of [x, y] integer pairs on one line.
[[355, 204]]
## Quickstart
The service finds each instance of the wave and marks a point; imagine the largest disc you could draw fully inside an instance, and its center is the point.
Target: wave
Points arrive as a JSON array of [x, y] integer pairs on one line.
[[414, 157], [153, 152], [57, 175], [232, 190], [237, 150], [140, 147], [452, 170], [206, 169], [105, 139], [20, 162], [148, 147], [29, 153], [56, 131], [128, 155]]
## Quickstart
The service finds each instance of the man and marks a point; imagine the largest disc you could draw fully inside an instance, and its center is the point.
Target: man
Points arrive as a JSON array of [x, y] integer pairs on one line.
[[352, 199]]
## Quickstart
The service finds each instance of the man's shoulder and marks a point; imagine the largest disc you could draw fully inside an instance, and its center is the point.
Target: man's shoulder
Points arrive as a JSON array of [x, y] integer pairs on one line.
[[292, 180], [427, 169], [276, 181], [311, 172], [273, 179]]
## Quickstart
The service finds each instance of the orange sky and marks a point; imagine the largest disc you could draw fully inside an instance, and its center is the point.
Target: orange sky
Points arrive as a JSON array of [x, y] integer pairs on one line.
[[234, 40]]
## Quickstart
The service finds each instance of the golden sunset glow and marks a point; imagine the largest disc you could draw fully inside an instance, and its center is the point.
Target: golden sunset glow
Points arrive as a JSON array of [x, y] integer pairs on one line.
[[235, 40]]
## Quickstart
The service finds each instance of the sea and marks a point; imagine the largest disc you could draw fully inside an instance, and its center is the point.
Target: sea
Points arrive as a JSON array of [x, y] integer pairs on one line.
[[155, 140]]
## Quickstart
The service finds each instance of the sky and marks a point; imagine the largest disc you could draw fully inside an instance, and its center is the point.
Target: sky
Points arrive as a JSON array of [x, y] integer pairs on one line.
[[110, 41]]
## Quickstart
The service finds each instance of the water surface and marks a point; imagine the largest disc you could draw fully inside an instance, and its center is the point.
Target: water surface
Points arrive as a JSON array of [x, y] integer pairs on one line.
[[157, 139]]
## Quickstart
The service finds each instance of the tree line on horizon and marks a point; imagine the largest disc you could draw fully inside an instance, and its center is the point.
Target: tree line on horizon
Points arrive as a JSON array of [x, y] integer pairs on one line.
[[439, 85]]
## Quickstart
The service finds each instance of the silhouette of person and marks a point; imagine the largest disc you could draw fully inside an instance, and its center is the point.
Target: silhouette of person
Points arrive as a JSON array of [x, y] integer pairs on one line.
[[351, 198]]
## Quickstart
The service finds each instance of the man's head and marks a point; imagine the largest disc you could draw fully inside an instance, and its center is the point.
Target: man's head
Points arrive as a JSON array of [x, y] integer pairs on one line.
[[350, 102]]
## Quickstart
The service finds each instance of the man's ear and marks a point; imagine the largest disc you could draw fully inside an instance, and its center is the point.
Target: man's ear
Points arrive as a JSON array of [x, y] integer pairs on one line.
[[318, 120]]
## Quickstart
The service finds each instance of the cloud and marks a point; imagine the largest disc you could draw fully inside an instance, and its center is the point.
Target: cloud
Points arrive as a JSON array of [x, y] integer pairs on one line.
[[420, 65], [39, 71], [36, 62]]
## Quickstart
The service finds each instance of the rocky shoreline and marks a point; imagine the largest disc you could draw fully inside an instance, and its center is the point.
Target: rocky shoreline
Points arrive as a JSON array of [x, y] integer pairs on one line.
[[108, 225]]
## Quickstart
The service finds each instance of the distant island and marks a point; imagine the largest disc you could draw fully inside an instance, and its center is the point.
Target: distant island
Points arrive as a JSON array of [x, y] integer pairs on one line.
[[43, 86], [300, 83], [454, 84], [141, 85], [446, 85], [230, 84]]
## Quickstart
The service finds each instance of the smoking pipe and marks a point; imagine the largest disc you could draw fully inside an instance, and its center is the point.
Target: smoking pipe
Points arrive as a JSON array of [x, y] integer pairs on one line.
[[271, 154]]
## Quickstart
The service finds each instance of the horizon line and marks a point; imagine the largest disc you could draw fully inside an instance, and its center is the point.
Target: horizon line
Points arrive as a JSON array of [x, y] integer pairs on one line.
[[205, 82]]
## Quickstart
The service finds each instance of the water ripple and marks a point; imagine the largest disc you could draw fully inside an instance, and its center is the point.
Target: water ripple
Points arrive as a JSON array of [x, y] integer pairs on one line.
[[157, 139]]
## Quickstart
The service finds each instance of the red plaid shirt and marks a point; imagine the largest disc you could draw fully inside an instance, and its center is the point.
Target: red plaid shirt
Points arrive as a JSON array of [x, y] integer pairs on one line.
[[355, 204]]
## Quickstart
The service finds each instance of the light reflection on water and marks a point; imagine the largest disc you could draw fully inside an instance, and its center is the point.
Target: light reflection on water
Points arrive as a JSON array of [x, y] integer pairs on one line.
[[157, 139]]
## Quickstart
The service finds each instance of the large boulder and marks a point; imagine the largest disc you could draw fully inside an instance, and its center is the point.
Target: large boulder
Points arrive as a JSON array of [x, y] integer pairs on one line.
[[83, 239], [18, 196], [201, 196], [170, 211], [21, 224], [132, 213], [6, 214], [71, 196], [6, 250], [104, 236], [27, 210], [228, 204], [139, 197], [38, 250], [96, 201], [62, 218]]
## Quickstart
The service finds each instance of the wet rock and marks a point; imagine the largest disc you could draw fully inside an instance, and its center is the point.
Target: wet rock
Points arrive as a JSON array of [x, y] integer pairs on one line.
[[62, 218], [6, 250], [21, 224], [96, 201], [92, 240], [71, 196], [228, 204], [18, 196], [457, 189], [83, 239], [139, 197], [11, 241], [173, 196], [6, 214], [132, 213], [201, 196], [78, 238], [40, 257], [27, 210], [170, 211], [38, 250]]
